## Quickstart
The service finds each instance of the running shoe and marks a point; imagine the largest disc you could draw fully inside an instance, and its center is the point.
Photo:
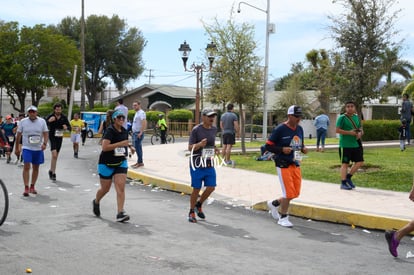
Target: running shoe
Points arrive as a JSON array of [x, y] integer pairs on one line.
[[349, 181], [345, 186], [199, 211], [50, 174], [273, 210], [285, 222], [26, 191], [392, 242], [32, 189], [122, 217], [96, 209], [192, 217]]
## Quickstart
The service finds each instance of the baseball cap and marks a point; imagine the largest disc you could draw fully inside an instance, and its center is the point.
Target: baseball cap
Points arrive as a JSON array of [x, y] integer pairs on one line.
[[32, 108], [117, 114], [208, 112], [295, 110], [8, 117]]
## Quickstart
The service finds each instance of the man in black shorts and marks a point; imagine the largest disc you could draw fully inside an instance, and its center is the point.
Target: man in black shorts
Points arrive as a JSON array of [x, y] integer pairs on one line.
[[58, 123], [229, 126]]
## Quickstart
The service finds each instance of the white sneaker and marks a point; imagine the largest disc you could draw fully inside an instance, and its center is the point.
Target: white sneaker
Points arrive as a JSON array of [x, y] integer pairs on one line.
[[285, 222], [273, 210]]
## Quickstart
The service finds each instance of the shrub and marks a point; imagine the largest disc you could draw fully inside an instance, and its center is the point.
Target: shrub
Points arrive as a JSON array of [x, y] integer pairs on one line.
[[153, 115], [381, 130], [180, 115]]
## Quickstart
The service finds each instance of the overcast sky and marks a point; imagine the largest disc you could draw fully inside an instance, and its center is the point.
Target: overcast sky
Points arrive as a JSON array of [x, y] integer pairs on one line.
[[165, 24]]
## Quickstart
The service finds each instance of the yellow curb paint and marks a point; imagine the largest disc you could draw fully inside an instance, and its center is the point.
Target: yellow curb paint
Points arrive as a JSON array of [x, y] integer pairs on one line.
[[161, 183], [319, 213]]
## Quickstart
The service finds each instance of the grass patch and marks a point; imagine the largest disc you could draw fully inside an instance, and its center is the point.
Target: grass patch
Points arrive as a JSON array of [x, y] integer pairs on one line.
[[384, 168]]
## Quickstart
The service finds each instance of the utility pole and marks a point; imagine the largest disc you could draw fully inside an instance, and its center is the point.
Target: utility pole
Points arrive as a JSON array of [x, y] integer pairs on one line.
[[82, 46], [149, 76]]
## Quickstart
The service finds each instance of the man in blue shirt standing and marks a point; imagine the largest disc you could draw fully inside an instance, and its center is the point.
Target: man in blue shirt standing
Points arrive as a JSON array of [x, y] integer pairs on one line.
[[321, 123]]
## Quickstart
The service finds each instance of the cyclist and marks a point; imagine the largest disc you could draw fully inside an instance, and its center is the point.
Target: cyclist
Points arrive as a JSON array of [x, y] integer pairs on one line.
[[162, 125]]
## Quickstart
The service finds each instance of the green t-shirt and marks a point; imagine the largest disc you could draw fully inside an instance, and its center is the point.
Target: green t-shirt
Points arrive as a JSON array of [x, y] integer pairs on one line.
[[348, 141]]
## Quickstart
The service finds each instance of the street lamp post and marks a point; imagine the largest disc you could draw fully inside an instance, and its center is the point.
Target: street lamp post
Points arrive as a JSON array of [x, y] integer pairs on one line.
[[269, 29], [198, 69]]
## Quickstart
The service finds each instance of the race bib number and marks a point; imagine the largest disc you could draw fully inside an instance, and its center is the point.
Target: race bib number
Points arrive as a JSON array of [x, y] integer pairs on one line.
[[207, 152], [34, 139], [59, 133], [75, 128], [298, 156], [119, 151], [11, 138]]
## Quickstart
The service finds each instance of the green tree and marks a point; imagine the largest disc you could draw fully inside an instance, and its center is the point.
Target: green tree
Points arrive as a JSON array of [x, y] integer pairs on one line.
[[112, 51], [362, 34], [322, 64], [33, 59], [237, 74], [293, 95]]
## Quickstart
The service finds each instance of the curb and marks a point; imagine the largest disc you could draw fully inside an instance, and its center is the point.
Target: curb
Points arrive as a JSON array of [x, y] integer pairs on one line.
[[341, 216], [355, 219]]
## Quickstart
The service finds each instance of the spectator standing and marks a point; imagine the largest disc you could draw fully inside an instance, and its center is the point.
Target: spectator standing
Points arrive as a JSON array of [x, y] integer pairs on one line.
[[34, 132], [58, 123], [76, 126], [113, 165], [202, 147], [402, 130], [287, 143], [162, 125], [322, 124], [406, 113], [123, 109], [84, 132], [139, 124], [349, 128], [9, 128], [229, 126]]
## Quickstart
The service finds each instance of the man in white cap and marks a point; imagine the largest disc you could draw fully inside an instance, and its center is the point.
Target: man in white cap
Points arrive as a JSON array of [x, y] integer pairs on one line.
[[287, 143], [34, 132]]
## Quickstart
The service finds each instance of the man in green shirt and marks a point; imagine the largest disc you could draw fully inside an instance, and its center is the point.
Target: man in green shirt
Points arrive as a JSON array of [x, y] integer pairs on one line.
[[348, 125]]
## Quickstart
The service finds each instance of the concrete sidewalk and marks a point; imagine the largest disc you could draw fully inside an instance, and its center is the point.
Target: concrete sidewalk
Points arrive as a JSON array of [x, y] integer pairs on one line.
[[167, 167]]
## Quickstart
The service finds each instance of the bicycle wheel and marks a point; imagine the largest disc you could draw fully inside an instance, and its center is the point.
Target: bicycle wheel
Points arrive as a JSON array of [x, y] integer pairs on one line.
[[170, 138], [155, 139], [4, 202]]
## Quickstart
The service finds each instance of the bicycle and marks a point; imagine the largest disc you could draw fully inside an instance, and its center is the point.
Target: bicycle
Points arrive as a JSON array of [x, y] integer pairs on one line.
[[156, 137], [4, 202]]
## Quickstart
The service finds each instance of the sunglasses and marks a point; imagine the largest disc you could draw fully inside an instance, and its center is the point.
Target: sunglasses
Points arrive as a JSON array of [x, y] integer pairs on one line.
[[32, 111], [120, 117], [297, 116]]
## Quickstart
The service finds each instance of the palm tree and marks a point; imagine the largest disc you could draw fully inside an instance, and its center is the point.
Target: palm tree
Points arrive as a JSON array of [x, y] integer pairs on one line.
[[392, 63]]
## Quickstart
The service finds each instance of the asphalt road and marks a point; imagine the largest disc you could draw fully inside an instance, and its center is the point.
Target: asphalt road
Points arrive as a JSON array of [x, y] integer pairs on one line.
[[55, 232]]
